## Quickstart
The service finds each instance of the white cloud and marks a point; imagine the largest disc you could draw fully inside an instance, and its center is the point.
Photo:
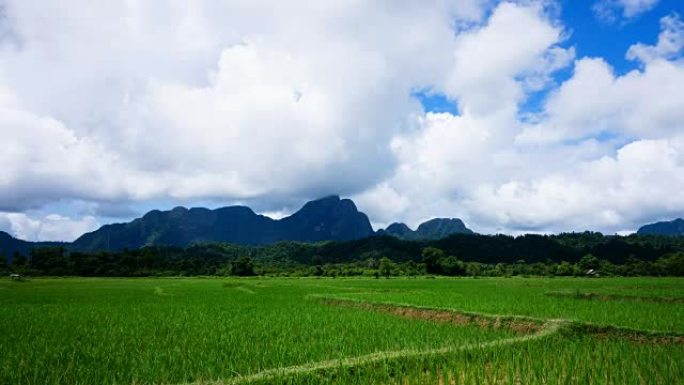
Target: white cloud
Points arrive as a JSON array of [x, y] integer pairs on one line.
[[53, 227], [670, 42], [611, 10], [443, 161], [42, 159], [214, 99], [489, 61], [634, 186], [265, 101], [605, 153], [639, 104], [628, 177], [635, 7], [276, 121]]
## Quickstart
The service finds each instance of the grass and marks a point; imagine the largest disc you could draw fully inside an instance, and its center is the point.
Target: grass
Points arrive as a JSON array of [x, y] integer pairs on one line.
[[161, 330], [559, 359], [202, 331], [530, 297]]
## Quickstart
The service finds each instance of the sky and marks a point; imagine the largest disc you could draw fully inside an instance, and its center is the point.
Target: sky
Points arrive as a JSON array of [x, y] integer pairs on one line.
[[522, 116]]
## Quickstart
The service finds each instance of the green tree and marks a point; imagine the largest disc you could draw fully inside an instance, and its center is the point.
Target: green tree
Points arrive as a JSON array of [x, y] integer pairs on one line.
[[607, 268], [500, 270], [431, 257], [386, 266], [565, 269], [49, 260], [519, 267], [4, 266], [473, 269], [243, 267], [451, 266], [588, 262], [371, 263], [672, 264], [19, 262], [411, 268]]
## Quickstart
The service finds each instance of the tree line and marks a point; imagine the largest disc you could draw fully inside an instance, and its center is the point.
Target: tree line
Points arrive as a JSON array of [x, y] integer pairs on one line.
[[459, 255]]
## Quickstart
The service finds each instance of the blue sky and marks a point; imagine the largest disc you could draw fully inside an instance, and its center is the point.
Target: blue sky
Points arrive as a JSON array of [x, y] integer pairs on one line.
[[532, 115], [595, 37]]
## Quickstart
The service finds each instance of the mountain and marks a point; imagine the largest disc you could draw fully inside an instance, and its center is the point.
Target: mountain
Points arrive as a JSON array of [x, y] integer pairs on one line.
[[10, 245], [397, 230], [436, 228], [329, 218], [326, 219], [675, 227]]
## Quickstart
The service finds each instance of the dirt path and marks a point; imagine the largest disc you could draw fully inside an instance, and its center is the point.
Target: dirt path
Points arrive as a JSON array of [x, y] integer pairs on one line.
[[531, 329], [518, 324], [549, 329]]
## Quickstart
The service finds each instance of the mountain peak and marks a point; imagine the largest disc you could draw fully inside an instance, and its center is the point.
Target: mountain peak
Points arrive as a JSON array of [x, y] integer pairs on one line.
[[442, 227], [397, 228], [435, 228], [331, 218], [330, 200]]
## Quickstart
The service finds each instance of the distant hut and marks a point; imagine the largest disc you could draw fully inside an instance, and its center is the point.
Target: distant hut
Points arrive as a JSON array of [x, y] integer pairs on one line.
[[591, 273], [16, 277]]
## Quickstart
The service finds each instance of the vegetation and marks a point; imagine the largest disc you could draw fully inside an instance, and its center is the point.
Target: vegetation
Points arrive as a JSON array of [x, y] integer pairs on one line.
[[460, 255], [298, 331], [538, 298], [141, 331], [578, 360]]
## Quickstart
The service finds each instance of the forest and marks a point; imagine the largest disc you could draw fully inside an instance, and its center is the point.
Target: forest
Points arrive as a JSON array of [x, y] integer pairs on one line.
[[571, 254]]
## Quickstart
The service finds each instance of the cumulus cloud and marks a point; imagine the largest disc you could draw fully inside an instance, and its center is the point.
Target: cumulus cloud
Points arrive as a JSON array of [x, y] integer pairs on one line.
[[41, 159], [604, 153], [271, 103], [142, 100], [447, 156], [490, 61], [630, 128], [639, 104], [51, 227], [635, 185]]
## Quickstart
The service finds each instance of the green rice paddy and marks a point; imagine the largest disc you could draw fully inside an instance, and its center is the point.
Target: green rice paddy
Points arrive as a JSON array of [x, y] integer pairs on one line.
[[303, 331]]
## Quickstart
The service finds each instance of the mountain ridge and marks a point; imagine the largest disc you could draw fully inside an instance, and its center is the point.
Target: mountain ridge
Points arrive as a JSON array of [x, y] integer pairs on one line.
[[435, 228], [674, 227], [10, 245], [326, 219]]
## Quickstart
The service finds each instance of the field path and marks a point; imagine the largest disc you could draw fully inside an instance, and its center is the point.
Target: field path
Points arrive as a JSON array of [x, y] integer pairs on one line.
[[545, 328], [549, 328]]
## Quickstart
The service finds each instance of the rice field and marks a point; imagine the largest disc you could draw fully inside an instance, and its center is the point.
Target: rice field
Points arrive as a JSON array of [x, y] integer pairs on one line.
[[627, 302], [338, 331]]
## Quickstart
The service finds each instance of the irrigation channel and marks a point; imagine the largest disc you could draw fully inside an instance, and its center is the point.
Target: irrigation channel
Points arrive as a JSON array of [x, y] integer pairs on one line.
[[529, 328]]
